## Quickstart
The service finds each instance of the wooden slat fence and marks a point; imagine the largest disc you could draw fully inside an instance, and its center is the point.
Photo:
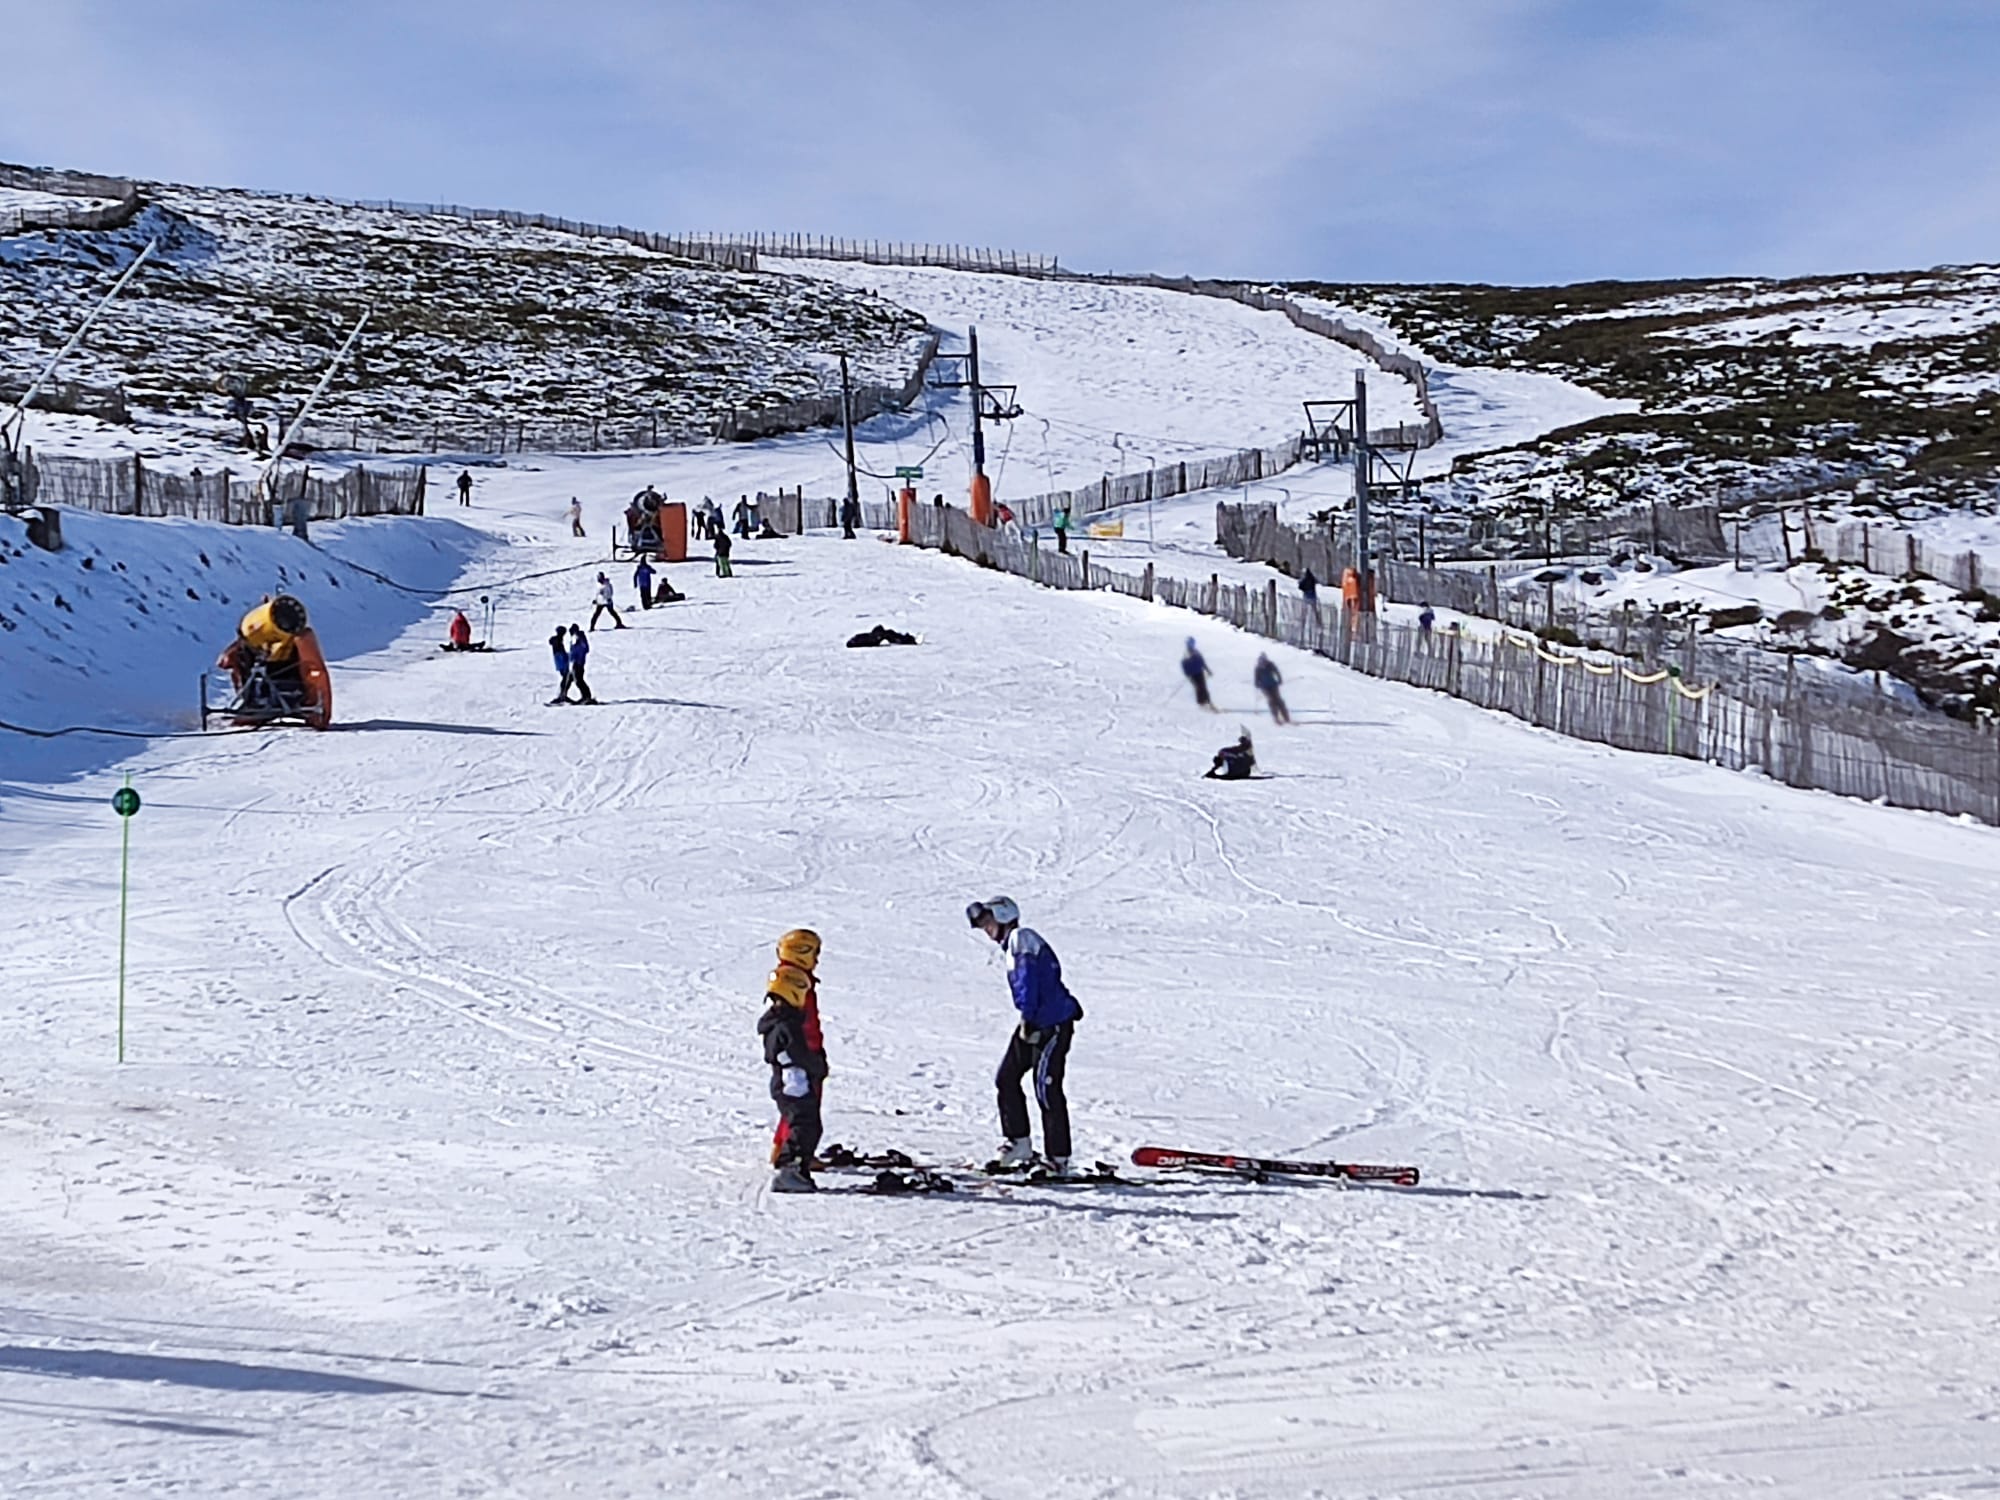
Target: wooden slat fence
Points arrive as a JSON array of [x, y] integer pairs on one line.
[[126, 487]]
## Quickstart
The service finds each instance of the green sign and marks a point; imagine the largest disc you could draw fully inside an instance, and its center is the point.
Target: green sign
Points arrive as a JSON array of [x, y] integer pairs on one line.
[[909, 471], [125, 802]]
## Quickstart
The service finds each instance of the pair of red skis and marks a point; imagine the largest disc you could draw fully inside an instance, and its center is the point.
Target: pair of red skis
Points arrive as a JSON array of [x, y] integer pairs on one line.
[[1259, 1168]]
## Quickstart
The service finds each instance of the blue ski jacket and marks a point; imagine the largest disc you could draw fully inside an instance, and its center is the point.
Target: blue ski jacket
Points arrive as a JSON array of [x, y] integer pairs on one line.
[[579, 649], [1035, 975], [1194, 666], [559, 651]]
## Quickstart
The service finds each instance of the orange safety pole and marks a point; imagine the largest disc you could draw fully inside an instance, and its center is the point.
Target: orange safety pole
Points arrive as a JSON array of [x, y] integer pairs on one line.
[[906, 509], [982, 500]]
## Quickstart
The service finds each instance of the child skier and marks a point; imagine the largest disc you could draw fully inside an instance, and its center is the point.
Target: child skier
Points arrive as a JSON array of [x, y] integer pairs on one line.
[[605, 604], [722, 546], [1040, 1044], [798, 1072], [1195, 668], [799, 949]]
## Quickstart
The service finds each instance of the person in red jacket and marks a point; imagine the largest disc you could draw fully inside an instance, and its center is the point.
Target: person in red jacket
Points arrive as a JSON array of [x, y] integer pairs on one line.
[[461, 631]]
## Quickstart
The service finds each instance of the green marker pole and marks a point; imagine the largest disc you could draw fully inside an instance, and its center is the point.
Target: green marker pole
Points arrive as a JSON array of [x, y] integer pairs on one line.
[[124, 802]]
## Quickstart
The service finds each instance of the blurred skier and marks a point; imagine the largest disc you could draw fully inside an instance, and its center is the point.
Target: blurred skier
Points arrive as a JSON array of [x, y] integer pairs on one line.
[[579, 653], [465, 487], [460, 632], [850, 518], [1040, 1043], [722, 544], [798, 1070], [605, 604], [1267, 679], [1233, 762], [1195, 669], [642, 580], [1309, 591], [575, 516]]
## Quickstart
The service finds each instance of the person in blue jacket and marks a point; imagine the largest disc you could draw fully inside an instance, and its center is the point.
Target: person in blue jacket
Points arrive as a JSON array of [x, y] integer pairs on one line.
[[1195, 668], [579, 653], [559, 648], [1040, 1043]]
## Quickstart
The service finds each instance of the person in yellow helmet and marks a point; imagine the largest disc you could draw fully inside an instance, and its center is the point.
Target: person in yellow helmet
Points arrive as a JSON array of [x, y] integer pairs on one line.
[[799, 949], [797, 1060]]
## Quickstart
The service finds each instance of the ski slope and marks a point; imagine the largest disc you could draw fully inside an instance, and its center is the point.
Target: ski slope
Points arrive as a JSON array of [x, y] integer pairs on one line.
[[437, 1164]]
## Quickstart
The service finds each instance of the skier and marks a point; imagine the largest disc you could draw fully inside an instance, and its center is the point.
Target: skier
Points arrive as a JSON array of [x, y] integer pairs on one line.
[[465, 487], [559, 647], [798, 1071], [850, 518], [743, 515], [722, 546], [1040, 1044], [579, 653], [1195, 669], [1309, 591], [1233, 762], [1426, 618], [642, 580], [799, 949], [1266, 677], [575, 516], [1059, 520], [605, 604], [461, 632]]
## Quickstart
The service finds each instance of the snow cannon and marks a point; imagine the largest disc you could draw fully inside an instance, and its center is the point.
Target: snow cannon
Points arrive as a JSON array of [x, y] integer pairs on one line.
[[276, 673]]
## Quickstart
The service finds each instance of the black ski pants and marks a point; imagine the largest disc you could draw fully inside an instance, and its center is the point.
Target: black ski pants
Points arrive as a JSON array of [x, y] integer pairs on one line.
[[802, 1127], [605, 609], [1044, 1054], [583, 693]]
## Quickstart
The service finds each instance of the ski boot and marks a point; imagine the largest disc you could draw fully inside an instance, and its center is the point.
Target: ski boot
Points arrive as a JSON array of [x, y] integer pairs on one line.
[[793, 1178], [1016, 1155]]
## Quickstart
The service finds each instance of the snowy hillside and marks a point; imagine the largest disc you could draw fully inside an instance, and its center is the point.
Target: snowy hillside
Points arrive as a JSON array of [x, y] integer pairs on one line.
[[439, 1162], [1744, 388], [472, 321]]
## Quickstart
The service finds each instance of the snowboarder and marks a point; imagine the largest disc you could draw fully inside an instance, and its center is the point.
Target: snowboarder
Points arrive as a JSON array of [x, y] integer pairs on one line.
[[1195, 669], [460, 632], [1060, 521], [722, 546], [465, 487], [642, 580], [745, 517], [1267, 680], [798, 1071], [579, 653], [799, 949], [575, 516], [1233, 762], [605, 604], [1040, 1043], [559, 648]]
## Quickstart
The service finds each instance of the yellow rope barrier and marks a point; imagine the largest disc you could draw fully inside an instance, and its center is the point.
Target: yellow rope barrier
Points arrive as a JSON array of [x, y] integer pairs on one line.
[[1644, 679]]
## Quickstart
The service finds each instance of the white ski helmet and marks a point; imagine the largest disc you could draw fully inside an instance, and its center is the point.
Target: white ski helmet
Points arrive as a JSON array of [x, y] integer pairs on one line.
[[1000, 908]]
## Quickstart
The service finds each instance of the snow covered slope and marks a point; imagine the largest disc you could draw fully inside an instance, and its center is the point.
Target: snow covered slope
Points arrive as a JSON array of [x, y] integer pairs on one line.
[[438, 1164]]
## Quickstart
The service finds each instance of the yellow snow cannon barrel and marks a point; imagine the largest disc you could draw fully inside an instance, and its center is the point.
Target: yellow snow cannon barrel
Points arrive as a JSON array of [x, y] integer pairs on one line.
[[272, 629]]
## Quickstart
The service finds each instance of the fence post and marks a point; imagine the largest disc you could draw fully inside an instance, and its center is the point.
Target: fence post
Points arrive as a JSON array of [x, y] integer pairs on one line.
[[1492, 591], [1972, 572], [1271, 607], [1910, 548], [1148, 584], [1086, 568], [138, 486]]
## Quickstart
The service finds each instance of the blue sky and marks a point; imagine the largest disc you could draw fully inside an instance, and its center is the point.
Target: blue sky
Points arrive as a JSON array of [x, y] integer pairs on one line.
[[1480, 140]]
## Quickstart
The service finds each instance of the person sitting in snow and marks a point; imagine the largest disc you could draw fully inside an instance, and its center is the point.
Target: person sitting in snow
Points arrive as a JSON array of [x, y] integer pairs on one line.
[[460, 632], [1233, 762]]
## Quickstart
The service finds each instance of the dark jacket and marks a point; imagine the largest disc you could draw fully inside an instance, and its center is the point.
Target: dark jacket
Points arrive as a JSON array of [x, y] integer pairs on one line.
[[783, 1028], [579, 649], [559, 647]]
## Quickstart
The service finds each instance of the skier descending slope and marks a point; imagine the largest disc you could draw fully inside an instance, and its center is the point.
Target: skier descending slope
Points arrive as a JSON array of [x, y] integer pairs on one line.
[[1040, 1044], [798, 1069]]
